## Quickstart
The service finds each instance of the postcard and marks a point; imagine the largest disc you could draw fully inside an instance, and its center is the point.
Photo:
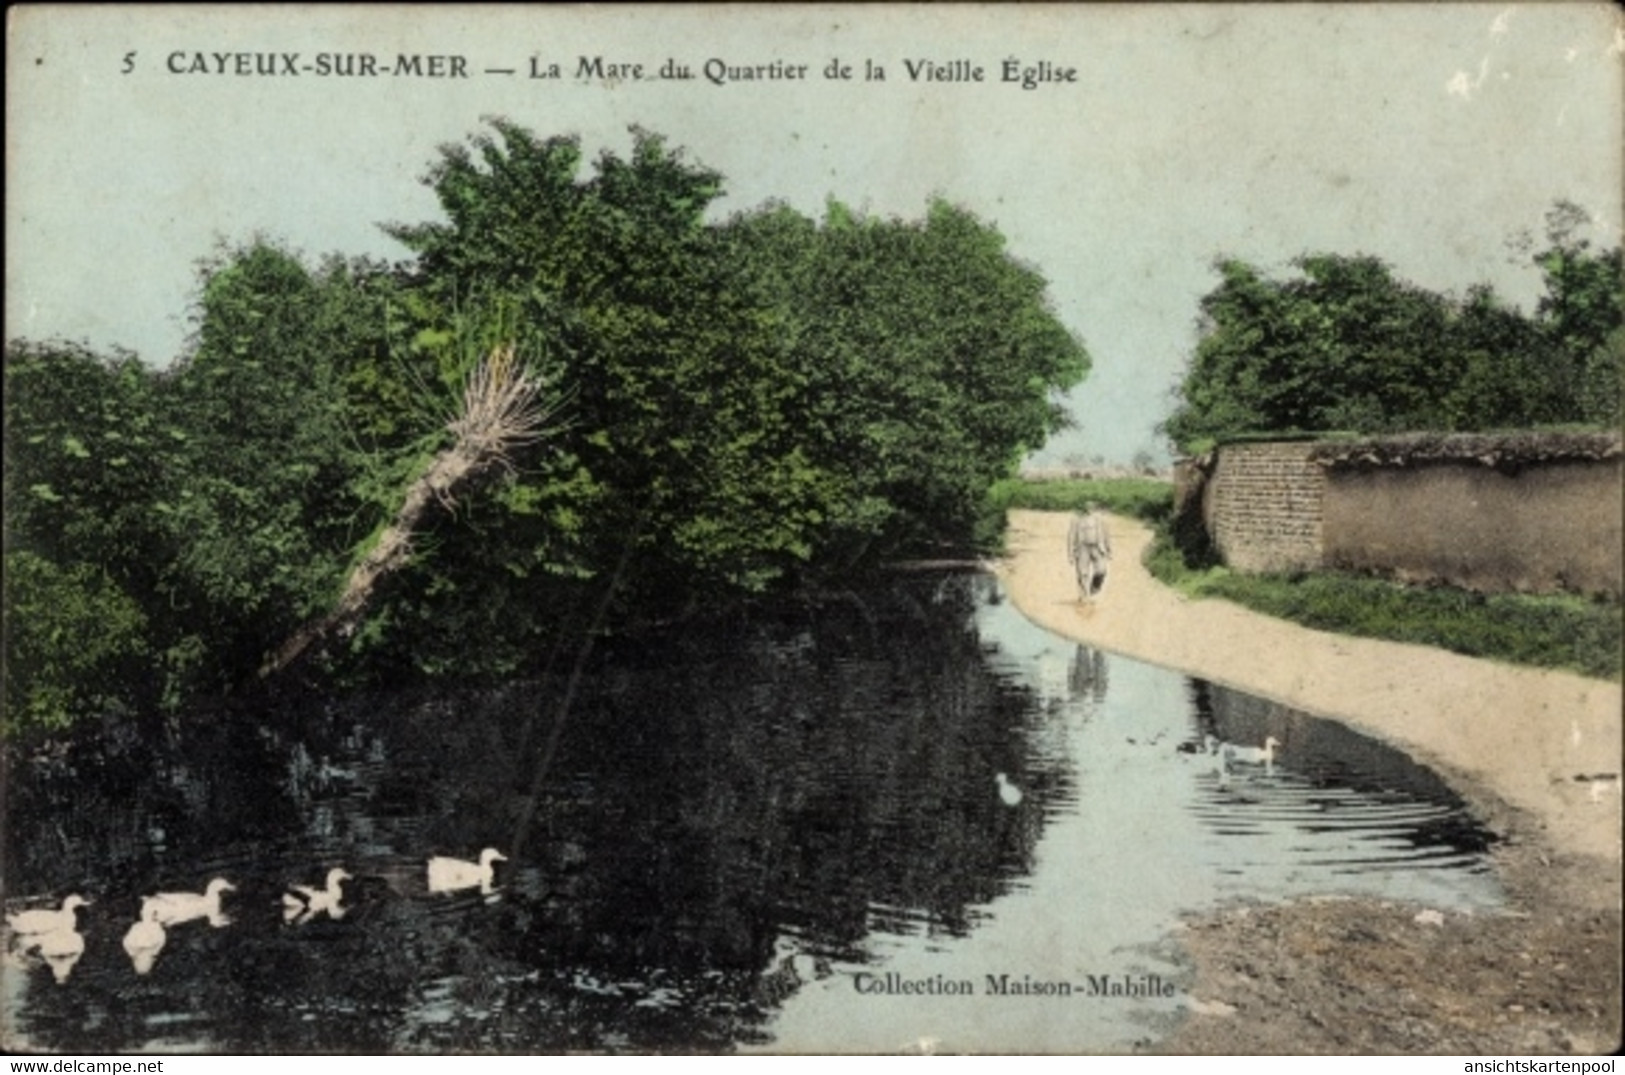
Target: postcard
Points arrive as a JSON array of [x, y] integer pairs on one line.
[[505, 550]]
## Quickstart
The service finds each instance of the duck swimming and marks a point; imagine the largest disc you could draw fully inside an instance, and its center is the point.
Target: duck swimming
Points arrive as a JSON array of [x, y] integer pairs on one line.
[[451, 875], [173, 908], [301, 903], [1009, 794], [1264, 755], [28, 923]]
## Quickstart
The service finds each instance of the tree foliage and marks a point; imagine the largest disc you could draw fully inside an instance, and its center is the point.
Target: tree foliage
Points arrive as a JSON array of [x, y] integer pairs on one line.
[[924, 355], [87, 452], [752, 403], [1343, 344], [216, 498]]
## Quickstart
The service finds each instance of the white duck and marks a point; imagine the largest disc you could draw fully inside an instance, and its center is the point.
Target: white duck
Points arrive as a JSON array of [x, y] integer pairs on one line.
[[1009, 794], [1264, 755], [29, 923], [450, 875], [145, 939], [301, 903], [173, 908]]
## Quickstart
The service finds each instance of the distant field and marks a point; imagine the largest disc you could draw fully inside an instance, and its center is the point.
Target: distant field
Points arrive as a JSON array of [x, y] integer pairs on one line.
[[1151, 499]]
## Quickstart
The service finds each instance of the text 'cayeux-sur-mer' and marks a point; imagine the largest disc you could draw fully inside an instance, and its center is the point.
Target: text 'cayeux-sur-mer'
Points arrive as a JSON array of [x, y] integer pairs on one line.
[[320, 64]]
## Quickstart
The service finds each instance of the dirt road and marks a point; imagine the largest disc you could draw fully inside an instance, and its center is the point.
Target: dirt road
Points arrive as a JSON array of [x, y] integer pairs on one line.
[[1359, 976], [1520, 734]]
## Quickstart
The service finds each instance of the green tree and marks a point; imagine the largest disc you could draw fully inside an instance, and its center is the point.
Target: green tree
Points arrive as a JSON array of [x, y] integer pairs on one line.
[[1343, 344], [88, 451], [677, 442], [1504, 368], [268, 509], [928, 364], [1602, 381], [1583, 307], [741, 405], [88, 454]]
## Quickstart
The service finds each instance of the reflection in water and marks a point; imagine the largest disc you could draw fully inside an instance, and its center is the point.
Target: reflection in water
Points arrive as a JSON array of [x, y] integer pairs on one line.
[[1368, 807], [733, 826], [60, 949], [1087, 678], [145, 939], [301, 903]]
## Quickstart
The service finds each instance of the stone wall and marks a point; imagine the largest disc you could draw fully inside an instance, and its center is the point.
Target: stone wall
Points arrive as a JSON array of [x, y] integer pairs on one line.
[[1263, 504], [1535, 513], [1542, 529]]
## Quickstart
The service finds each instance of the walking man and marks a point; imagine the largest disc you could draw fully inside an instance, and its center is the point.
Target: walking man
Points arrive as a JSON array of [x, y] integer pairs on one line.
[[1090, 549]]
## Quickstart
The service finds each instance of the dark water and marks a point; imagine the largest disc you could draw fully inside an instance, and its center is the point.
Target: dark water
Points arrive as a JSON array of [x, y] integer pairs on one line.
[[733, 833]]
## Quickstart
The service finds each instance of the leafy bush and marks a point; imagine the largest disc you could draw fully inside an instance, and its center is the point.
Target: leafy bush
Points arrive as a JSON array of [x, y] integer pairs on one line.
[[75, 636]]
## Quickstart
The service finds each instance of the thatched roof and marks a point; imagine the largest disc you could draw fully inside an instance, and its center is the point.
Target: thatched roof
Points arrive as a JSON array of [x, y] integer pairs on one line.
[[1502, 450]]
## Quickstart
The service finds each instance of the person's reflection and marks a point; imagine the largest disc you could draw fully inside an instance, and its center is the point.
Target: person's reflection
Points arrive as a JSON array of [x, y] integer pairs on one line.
[[1087, 677], [1201, 695]]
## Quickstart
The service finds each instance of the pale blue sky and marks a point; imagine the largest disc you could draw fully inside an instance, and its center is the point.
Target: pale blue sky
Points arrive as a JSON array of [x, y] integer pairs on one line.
[[1423, 134]]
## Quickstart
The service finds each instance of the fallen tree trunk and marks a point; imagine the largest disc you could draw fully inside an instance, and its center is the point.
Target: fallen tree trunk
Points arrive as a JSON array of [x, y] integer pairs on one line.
[[502, 408]]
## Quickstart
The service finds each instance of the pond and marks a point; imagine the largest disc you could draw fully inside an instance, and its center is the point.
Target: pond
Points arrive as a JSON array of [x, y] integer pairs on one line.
[[898, 819]]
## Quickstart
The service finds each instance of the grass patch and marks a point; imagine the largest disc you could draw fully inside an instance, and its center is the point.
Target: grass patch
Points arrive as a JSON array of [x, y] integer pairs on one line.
[[1557, 631], [1140, 498]]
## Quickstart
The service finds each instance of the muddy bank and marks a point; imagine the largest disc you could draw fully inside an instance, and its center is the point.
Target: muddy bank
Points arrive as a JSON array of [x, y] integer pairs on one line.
[[1358, 976], [1340, 976]]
